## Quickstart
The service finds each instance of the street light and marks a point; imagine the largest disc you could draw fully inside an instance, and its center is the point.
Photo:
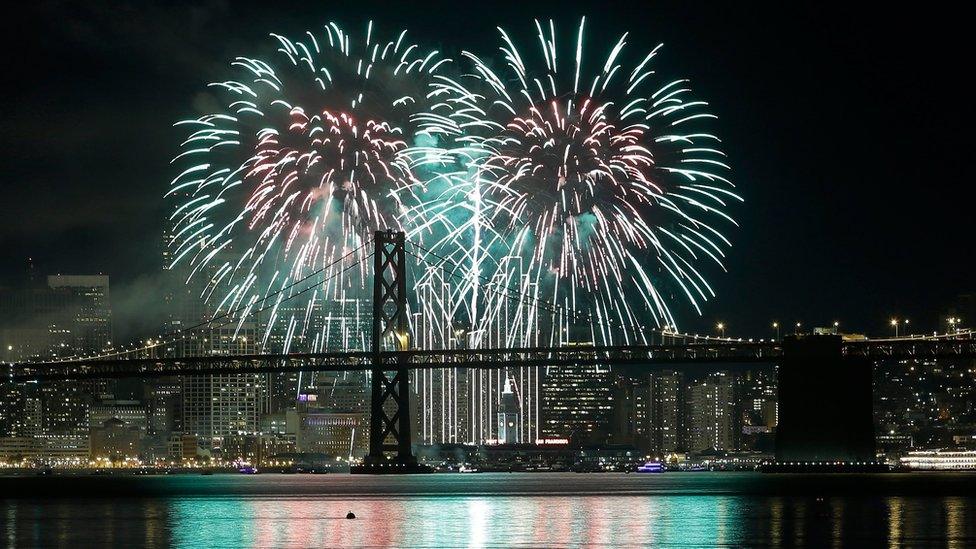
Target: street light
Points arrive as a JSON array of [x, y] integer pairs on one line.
[[721, 328], [776, 327], [895, 323], [797, 330]]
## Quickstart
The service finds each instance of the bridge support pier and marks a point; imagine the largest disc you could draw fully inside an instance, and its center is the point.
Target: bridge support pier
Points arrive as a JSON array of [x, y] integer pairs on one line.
[[390, 425], [825, 405]]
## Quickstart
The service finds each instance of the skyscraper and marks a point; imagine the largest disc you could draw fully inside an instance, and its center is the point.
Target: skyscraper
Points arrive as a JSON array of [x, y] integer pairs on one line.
[[711, 413], [213, 406], [88, 321], [577, 403], [666, 412], [221, 405]]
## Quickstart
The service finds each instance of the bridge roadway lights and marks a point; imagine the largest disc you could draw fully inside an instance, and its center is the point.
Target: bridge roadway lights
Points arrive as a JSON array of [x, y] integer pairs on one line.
[[825, 404]]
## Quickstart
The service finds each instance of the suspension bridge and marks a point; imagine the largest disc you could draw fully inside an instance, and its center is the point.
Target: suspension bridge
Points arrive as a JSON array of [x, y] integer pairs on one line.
[[809, 368]]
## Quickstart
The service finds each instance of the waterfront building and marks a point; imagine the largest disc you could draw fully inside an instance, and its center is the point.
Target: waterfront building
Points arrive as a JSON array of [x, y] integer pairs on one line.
[[337, 434], [115, 440], [508, 416], [215, 406], [666, 412], [631, 411], [577, 403], [711, 413]]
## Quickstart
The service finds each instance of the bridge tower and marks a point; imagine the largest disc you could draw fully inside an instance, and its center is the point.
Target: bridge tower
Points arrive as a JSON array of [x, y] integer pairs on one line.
[[825, 403], [390, 422]]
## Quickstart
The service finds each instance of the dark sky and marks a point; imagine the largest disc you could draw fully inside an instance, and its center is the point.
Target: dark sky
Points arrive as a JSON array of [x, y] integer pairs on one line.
[[847, 128]]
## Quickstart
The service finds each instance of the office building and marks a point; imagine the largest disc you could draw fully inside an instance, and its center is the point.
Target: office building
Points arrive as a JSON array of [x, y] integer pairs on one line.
[[577, 403]]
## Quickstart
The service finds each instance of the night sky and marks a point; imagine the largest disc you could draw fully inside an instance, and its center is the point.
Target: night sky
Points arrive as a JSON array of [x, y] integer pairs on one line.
[[847, 129]]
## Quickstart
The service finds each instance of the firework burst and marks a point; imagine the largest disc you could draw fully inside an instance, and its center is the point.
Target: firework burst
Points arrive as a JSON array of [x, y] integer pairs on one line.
[[603, 175], [307, 154]]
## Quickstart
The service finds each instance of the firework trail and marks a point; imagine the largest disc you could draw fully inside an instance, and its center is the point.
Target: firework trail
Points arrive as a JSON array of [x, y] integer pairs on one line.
[[599, 179], [306, 155]]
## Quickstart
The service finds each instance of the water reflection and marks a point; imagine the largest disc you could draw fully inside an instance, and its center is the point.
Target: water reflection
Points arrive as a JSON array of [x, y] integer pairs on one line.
[[492, 520]]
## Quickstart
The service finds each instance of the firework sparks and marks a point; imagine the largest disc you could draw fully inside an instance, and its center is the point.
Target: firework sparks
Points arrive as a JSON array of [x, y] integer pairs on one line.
[[607, 179], [307, 154]]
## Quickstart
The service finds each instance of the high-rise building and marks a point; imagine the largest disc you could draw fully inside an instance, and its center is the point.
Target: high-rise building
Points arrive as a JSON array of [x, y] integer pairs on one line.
[[337, 392], [65, 406], [460, 405], [32, 321], [443, 395], [757, 394], [20, 410], [213, 406], [444, 405], [666, 412], [130, 412], [347, 323], [164, 403], [88, 322], [631, 409], [711, 413], [70, 315], [577, 403], [219, 405], [334, 324]]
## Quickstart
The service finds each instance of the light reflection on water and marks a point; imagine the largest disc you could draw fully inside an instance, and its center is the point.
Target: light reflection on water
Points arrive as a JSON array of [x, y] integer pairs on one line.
[[486, 518]]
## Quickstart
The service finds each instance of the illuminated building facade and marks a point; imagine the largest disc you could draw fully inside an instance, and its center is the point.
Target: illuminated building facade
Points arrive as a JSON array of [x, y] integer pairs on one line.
[[335, 434], [508, 416], [711, 421], [577, 403], [667, 412], [216, 406]]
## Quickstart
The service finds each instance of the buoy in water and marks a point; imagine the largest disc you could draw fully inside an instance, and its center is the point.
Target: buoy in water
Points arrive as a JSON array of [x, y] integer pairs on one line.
[[350, 515]]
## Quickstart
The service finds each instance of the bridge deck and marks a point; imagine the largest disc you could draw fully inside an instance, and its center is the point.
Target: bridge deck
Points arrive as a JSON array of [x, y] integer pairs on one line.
[[650, 356]]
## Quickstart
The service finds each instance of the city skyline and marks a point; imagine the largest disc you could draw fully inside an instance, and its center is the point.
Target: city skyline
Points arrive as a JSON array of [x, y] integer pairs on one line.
[[429, 274]]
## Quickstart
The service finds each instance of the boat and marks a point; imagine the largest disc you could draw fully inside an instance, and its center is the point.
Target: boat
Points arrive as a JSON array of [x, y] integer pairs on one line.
[[248, 470], [651, 467]]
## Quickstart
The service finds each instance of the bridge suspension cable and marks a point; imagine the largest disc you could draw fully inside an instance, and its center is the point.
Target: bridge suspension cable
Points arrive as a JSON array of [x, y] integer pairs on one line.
[[176, 335]]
